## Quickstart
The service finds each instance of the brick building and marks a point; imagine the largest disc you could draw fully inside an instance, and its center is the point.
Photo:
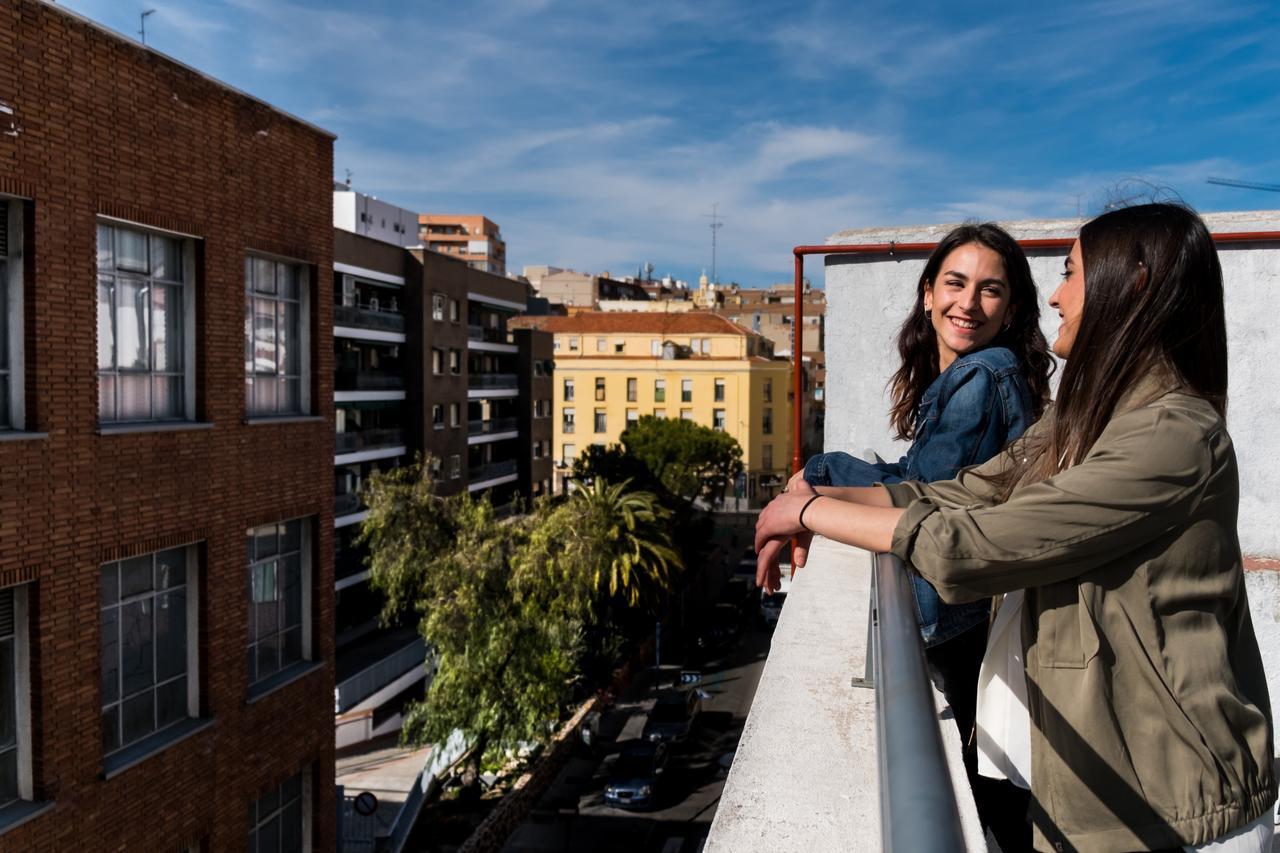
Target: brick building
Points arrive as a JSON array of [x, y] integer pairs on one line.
[[166, 638]]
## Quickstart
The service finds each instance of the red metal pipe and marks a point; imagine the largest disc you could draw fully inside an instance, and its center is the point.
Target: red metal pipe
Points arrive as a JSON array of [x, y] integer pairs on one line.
[[797, 330]]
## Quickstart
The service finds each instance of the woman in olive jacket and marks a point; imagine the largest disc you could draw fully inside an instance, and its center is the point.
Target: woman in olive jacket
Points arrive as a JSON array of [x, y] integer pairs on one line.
[[1150, 719]]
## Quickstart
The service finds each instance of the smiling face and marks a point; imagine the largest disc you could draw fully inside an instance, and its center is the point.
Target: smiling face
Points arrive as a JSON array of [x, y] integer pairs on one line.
[[968, 303], [1068, 299]]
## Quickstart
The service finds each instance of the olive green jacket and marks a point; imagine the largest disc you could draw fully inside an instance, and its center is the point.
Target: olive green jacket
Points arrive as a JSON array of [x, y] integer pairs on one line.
[[1151, 724]]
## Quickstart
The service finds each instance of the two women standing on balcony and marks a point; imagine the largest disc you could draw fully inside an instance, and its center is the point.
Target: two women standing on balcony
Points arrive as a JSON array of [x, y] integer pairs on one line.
[[1115, 516], [974, 375]]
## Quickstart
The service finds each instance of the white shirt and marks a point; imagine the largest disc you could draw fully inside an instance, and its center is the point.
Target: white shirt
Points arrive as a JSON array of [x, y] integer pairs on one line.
[[1003, 722]]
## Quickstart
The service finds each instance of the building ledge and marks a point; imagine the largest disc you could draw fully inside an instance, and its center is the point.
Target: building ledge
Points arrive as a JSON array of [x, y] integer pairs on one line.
[[16, 814], [806, 772], [282, 679], [284, 419], [19, 435], [116, 763], [153, 426]]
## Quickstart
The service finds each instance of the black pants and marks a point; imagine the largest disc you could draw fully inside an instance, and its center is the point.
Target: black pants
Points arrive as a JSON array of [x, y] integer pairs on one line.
[[955, 665]]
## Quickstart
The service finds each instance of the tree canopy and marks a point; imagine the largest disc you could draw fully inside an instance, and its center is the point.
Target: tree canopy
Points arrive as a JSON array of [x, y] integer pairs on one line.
[[688, 459], [503, 603]]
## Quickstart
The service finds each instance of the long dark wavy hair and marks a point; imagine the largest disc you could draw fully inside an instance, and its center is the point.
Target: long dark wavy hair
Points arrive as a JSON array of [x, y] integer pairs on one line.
[[1152, 303], [918, 342]]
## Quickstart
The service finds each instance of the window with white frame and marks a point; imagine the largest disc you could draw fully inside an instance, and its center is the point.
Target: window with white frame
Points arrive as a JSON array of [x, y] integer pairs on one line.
[[437, 415], [437, 306], [437, 361], [275, 361], [455, 466], [633, 417], [686, 390], [145, 318], [15, 696], [455, 361], [278, 592], [655, 347], [455, 414], [148, 620], [567, 420], [279, 819], [717, 419], [568, 390], [719, 390], [11, 403], [568, 453], [455, 311]]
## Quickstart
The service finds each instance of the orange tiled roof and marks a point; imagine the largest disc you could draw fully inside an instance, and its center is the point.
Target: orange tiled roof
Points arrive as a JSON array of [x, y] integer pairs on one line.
[[634, 323]]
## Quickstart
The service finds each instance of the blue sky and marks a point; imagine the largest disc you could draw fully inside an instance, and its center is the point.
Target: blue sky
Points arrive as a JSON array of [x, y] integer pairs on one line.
[[599, 134]]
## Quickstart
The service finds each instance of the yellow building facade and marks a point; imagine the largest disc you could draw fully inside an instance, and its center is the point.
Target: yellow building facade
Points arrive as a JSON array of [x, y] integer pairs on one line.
[[612, 369]]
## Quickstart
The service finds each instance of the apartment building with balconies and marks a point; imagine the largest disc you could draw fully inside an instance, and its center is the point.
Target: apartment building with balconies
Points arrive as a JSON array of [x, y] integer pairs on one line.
[[166, 522], [424, 367], [472, 238]]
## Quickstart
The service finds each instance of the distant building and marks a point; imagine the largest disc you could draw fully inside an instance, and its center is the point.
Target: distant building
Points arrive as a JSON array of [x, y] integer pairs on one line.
[[359, 213], [581, 291], [471, 238], [612, 368]]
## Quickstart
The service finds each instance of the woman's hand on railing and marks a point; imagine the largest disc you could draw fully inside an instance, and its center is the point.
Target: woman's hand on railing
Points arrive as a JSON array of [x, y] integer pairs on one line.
[[778, 522]]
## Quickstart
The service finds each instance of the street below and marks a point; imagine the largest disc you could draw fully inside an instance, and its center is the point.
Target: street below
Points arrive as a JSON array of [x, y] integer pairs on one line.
[[572, 815]]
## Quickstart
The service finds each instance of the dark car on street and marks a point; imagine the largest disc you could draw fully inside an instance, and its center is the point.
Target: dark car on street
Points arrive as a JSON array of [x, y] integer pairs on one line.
[[673, 716], [635, 779], [720, 629]]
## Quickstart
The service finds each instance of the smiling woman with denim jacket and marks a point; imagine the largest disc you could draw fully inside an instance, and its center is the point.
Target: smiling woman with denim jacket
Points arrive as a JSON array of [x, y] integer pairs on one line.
[[1115, 516], [974, 376]]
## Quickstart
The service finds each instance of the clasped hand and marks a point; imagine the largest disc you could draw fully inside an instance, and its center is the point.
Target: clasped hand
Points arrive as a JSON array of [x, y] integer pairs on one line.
[[778, 522]]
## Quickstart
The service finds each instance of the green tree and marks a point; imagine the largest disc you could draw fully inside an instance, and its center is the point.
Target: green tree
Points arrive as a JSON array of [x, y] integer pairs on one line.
[[690, 460], [505, 646], [604, 541]]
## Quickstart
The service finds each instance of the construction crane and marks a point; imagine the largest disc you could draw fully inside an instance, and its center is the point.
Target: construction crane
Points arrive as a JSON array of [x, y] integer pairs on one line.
[[1244, 185]]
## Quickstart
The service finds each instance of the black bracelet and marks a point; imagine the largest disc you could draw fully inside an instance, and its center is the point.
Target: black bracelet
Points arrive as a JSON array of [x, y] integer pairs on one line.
[[803, 508]]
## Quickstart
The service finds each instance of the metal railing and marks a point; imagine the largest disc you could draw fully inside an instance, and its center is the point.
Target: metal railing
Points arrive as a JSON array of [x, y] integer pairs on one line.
[[367, 439], [485, 333], [481, 427], [492, 380], [368, 317], [370, 680], [367, 380], [492, 471], [915, 781], [345, 504]]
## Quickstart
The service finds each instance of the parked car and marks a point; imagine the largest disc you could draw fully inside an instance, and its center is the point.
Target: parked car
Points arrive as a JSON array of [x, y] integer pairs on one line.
[[673, 716], [634, 781], [740, 593], [771, 607]]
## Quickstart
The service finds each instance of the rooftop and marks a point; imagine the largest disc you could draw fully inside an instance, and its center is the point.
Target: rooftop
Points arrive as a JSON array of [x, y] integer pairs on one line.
[[640, 323]]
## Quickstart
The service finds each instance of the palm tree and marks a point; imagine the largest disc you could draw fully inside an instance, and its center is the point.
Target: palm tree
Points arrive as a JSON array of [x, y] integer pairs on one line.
[[620, 540]]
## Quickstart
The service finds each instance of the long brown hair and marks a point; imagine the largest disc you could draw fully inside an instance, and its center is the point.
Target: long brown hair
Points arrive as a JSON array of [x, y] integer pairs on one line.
[[1152, 302], [918, 342]]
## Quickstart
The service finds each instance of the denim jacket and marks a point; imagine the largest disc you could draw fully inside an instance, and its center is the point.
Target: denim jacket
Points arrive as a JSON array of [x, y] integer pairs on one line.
[[977, 406]]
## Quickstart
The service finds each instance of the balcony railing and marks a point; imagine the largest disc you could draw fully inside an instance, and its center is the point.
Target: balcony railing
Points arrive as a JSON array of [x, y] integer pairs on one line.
[[368, 439], [492, 471], [367, 380], [365, 683], [487, 334], [493, 425], [368, 317], [345, 504], [491, 381], [825, 747]]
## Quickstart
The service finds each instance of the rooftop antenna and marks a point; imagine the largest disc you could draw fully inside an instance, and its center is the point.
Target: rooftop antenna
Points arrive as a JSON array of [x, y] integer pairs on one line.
[[142, 19], [1245, 185], [716, 225], [349, 173]]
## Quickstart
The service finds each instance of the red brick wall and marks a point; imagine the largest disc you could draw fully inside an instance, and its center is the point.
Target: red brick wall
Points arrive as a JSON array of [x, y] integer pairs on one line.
[[108, 128]]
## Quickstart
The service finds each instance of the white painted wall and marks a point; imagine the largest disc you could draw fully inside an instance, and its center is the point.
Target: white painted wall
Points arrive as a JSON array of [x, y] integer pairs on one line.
[[369, 217]]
